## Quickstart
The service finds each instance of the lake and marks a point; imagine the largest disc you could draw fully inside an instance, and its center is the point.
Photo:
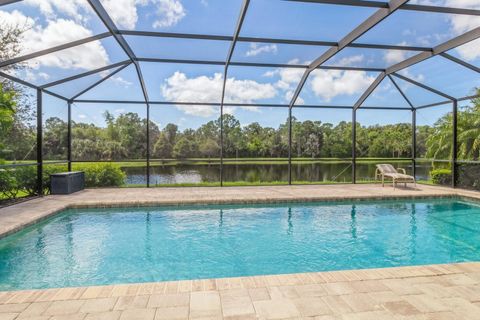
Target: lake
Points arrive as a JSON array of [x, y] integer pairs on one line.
[[306, 172]]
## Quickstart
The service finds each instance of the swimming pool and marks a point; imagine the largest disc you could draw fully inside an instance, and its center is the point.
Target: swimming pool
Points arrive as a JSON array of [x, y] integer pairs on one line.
[[84, 247]]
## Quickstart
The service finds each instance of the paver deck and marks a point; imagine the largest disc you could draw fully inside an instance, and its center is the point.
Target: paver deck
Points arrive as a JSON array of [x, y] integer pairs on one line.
[[435, 292], [450, 291]]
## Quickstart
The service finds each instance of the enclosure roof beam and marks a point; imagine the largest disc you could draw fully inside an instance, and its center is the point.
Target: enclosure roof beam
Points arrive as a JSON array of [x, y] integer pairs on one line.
[[110, 25], [85, 74], [475, 96], [434, 104], [423, 86], [100, 81], [460, 62], [401, 92], [369, 90], [361, 29], [30, 85], [193, 36], [112, 28], [267, 105], [441, 48], [231, 49], [5, 2], [411, 7], [241, 18], [254, 64], [53, 49], [448, 101]]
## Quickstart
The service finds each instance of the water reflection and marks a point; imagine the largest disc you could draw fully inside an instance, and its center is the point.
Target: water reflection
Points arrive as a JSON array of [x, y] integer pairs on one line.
[[290, 223], [413, 230], [148, 237], [353, 223], [308, 172], [220, 220]]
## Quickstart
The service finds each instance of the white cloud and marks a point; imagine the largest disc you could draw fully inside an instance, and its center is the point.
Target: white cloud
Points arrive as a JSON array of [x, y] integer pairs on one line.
[[256, 49], [169, 13], [87, 56], [32, 76], [328, 84], [470, 51], [36, 37], [179, 87], [350, 61], [57, 32], [82, 116], [75, 9], [288, 80], [458, 24], [394, 56], [120, 81], [464, 23], [123, 12], [17, 19]]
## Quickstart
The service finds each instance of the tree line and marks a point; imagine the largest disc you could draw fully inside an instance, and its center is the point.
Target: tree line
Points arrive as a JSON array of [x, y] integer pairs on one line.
[[124, 137]]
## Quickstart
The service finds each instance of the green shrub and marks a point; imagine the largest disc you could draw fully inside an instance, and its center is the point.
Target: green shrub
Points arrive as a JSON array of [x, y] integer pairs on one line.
[[102, 175], [8, 184], [26, 178], [441, 176]]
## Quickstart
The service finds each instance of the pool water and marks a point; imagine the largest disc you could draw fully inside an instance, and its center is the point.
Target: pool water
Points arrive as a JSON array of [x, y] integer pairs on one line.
[[105, 246]]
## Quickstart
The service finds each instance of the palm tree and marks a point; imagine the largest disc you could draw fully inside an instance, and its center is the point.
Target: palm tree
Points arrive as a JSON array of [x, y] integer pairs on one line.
[[469, 132], [439, 144]]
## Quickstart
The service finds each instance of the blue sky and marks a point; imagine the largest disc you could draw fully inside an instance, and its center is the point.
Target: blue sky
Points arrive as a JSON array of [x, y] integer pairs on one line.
[[53, 22]]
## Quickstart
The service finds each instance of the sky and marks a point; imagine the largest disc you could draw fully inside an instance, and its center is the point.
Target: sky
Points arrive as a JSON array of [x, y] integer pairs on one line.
[[54, 22]]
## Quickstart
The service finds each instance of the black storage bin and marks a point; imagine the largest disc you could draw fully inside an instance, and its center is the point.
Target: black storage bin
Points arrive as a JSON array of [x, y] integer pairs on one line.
[[67, 182]]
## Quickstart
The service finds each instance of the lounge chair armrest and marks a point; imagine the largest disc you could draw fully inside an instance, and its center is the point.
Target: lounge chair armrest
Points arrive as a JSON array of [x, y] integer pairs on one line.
[[402, 169]]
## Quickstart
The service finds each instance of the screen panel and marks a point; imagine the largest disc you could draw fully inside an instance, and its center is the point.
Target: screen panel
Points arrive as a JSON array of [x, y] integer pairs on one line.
[[434, 141], [321, 145], [184, 145], [383, 137]]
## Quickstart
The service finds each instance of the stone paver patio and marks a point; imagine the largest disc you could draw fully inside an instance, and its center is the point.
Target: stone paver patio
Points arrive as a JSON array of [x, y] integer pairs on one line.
[[434, 292], [450, 291]]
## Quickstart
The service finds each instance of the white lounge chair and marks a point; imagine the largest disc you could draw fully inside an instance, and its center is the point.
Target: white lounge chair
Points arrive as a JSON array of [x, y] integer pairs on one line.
[[388, 171]]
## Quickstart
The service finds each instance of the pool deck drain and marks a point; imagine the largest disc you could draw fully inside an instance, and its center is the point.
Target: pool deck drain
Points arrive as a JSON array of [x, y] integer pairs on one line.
[[448, 291], [435, 292]]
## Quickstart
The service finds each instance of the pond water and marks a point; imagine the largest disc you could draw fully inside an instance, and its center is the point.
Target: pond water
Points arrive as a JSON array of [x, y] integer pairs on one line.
[[308, 172]]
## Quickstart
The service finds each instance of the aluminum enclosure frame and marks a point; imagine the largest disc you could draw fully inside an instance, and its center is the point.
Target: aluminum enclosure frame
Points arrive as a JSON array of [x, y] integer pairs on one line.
[[384, 10]]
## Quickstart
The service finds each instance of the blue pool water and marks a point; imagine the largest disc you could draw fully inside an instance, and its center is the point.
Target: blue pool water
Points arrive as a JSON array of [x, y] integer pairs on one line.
[[105, 246]]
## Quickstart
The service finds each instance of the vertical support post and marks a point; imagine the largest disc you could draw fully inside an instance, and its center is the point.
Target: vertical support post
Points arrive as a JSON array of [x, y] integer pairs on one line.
[[148, 145], [221, 145], [289, 146], [454, 142], [414, 142], [354, 145], [69, 136], [39, 143]]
